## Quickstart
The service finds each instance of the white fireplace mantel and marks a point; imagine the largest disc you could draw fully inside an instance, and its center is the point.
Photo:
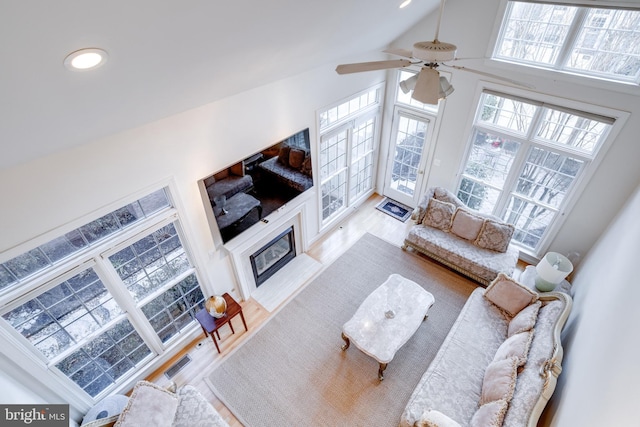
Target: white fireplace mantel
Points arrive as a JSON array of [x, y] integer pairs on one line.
[[247, 243]]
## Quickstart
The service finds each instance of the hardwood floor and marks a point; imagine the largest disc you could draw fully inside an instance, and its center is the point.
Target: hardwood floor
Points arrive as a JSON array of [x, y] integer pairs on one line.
[[202, 352]]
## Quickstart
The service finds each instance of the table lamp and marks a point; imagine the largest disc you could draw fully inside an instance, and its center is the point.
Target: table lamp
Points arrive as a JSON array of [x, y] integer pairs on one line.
[[551, 270]]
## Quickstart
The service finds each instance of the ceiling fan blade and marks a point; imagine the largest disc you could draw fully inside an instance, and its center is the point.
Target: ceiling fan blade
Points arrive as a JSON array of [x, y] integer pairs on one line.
[[371, 66], [427, 88], [405, 53], [493, 76]]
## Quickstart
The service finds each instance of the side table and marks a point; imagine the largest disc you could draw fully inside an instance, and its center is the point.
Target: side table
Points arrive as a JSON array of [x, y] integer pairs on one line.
[[528, 279], [210, 324]]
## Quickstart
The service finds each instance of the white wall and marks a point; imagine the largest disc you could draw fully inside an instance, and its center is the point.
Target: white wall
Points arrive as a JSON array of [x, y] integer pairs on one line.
[[599, 382], [65, 190], [469, 25]]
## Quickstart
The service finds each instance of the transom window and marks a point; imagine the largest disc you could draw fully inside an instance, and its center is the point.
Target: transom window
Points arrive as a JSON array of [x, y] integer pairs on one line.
[[600, 42], [97, 310], [524, 160]]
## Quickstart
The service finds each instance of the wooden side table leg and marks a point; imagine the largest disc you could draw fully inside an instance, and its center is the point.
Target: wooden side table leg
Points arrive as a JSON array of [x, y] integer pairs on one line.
[[213, 337], [217, 333], [243, 322], [231, 326]]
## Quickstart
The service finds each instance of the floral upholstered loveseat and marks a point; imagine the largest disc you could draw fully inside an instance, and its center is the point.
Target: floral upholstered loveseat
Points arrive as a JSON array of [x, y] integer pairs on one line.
[[474, 244], [499, 364]]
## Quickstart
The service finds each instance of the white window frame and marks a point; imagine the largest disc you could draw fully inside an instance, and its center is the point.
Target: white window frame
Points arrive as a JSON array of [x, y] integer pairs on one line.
[[581, 181], [43, 371], [347, 123], [542, 71]]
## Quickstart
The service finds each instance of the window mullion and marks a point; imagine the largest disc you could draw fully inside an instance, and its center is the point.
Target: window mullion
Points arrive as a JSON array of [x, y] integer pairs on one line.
[[572, 35], [123, 297]]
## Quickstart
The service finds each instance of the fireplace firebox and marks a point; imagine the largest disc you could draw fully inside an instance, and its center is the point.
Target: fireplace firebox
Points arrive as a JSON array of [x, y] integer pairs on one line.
[[267, 260]]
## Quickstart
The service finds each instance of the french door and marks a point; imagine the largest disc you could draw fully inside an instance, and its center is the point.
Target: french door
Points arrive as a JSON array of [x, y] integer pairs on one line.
[[406, 164]]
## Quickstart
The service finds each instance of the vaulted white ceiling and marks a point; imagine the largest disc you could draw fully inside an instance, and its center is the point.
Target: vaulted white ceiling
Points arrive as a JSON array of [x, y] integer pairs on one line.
[[165, 57]]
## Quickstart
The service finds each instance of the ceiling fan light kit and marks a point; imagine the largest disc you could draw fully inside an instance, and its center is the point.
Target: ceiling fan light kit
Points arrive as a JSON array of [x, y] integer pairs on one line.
[[428, 86]]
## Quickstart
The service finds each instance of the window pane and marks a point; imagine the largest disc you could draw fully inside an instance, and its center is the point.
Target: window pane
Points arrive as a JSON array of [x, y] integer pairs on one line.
[[491, 158], [56, 250], [334, 194], [348, 108], [530, 219], [571, 130], [608, 44], [166, 313], [408, 152], [65, 315], [534, 32], [101, 362], [151, 262], [546, 177], [333, 154], [505, 113], [361, 170], [477, 195]]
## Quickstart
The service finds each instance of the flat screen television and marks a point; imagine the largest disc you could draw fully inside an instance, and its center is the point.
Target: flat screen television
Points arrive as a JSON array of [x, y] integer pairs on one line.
[[247, 191]]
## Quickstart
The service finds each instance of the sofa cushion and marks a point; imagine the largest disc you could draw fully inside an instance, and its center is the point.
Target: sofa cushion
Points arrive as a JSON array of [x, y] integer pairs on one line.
[[433, 418], [296, 158], [444, 195], [499, 380], [283, 155], [525, 320], [439, 214], [149, 405], [195, 411], [495, 235], [466, 224], [515, 346], [509, 295], [490, 414]]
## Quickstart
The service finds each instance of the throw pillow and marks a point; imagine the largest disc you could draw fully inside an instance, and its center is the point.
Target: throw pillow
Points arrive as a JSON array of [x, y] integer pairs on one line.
[[296, 157], [525, 320], [509, 295], [465, 224], [283, 155], [516, 346], [445, 196], [490, 414], [149, 405], [433, 418], [439, 214], [499, 380], [495, 235]]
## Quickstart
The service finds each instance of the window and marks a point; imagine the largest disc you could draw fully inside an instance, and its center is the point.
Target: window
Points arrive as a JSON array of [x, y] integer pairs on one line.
[[348, 135], [67, 296], [524, 160], [597, 42]]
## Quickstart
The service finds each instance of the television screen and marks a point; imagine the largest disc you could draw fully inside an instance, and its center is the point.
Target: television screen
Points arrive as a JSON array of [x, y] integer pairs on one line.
[[249, 190]]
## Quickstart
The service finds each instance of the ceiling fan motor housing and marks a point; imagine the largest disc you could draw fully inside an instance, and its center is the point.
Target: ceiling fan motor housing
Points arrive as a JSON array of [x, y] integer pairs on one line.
[[434, 51]]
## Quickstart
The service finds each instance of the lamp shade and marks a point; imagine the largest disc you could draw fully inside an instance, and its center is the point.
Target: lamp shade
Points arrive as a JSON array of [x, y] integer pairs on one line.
[[551, 270]]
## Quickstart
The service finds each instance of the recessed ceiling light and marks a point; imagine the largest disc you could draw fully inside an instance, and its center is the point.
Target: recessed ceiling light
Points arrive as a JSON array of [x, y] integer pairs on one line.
[[405, 3], [85, 59]]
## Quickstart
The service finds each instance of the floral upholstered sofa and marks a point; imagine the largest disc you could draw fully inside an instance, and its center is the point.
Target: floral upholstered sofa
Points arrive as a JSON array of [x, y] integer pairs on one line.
[[499, 364], [474, 244]]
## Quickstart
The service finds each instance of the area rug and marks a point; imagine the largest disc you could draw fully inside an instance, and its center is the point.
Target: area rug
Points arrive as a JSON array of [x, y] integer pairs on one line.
[[292, 371], [397, 210]]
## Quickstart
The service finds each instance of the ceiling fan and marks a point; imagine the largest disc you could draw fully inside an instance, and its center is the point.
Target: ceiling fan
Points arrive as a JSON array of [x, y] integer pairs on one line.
[[428, 86]]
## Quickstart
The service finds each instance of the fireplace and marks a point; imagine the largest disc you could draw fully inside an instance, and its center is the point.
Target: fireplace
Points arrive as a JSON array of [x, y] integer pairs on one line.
[[273, 256]]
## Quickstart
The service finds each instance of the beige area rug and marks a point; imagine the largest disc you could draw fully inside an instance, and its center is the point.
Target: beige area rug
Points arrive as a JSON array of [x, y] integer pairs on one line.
[[292, 372]]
